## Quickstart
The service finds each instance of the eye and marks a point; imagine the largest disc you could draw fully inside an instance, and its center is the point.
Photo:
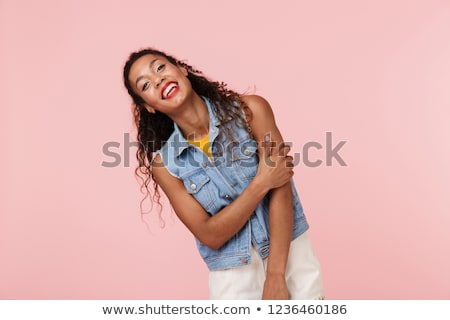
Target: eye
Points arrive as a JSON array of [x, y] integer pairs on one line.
[[145, 86], [160, 67]]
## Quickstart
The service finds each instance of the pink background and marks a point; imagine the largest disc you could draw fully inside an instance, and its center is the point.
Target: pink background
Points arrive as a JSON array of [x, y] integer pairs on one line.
[[375, 73]]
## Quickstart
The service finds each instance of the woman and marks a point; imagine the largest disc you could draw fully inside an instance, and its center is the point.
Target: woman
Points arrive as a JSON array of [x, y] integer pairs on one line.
[[198, 143]]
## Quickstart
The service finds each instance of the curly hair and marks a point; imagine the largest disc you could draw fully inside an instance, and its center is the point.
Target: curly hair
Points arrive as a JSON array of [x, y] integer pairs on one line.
[[153, 129]]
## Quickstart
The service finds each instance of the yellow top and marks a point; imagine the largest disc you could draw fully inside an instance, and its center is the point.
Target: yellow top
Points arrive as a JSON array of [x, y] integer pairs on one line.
[[203, 144]]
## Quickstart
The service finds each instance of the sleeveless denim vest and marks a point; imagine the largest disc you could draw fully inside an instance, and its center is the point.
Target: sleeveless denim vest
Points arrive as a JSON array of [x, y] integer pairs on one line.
[[216, 183]]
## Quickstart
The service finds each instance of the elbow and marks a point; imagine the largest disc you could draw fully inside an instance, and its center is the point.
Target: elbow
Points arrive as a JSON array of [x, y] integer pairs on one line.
[[212, 239], [213, 235], [212, 242], [214, 246]]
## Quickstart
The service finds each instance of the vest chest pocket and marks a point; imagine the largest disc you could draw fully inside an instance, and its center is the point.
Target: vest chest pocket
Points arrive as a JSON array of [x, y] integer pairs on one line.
[[199, 185], [245, 159]]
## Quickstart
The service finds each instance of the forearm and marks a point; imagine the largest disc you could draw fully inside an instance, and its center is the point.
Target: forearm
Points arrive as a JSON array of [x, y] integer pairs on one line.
[[280, 229], [227, 222]]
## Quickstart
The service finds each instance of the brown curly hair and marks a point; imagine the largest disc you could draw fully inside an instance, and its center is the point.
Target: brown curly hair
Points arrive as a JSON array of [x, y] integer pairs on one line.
[[153, 129]]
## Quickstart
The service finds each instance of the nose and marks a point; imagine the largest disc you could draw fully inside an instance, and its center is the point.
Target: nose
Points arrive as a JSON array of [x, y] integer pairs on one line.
[[158, 80]]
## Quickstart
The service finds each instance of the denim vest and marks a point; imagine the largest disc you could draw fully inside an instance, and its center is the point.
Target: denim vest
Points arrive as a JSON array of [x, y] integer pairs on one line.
[[216, 183]]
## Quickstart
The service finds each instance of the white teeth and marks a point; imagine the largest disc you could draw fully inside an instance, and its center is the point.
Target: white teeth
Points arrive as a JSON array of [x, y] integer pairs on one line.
[[168, 89]]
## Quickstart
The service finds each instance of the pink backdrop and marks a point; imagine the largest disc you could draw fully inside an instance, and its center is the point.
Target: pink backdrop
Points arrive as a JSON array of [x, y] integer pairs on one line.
[[374, 73]]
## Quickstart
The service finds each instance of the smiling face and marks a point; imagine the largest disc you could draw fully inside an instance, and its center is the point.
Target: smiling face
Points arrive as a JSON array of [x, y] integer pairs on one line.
[[162, 85]]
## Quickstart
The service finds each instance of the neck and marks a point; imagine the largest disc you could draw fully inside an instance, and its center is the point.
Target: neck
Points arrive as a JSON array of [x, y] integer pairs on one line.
[[193, 118]]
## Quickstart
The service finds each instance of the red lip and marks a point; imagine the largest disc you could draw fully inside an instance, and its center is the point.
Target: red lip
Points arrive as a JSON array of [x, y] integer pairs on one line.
[[165, 86]]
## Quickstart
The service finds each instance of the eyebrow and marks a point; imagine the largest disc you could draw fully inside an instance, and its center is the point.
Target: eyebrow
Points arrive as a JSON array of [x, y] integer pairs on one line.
[[150, 66]]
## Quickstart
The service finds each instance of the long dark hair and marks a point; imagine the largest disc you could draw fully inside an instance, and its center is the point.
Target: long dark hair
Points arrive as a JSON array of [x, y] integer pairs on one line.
[[153, 129]]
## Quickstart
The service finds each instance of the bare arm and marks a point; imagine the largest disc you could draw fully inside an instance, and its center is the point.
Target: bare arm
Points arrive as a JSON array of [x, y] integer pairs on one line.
[[280, 207], [214, 231]]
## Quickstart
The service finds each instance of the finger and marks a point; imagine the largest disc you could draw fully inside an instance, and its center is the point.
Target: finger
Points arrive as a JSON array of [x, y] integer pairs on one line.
[[267, 145], [284, 149], [289, 162]]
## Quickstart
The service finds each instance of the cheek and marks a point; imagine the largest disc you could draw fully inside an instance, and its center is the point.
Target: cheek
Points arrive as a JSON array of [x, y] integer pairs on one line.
[[151, 95], [186, 83]]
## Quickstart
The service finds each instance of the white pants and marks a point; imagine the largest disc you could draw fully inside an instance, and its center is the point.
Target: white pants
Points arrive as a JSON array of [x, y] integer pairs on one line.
[[303, 276]]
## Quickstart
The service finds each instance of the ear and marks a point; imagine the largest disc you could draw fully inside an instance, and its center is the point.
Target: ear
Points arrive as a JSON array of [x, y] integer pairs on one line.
[[149, 108], [183, 70]]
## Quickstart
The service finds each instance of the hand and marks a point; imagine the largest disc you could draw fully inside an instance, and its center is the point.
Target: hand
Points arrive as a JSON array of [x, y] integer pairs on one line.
[[275, 288], [275, 166]]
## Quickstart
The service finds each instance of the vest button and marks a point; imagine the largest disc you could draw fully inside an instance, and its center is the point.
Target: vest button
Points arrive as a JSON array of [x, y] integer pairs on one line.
[[247, 152], [203, 164], [244, 260], [227, 196], [193, 186]]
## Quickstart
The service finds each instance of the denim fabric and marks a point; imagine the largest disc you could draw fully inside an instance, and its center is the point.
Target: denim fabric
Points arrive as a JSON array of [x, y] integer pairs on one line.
[[216, 183]]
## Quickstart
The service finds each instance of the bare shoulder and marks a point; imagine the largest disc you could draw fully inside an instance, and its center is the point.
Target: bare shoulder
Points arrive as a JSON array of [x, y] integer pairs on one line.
[[157, 162], [256, 103], [159, 170], [260, 108], [172, 186], [254, 99]]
